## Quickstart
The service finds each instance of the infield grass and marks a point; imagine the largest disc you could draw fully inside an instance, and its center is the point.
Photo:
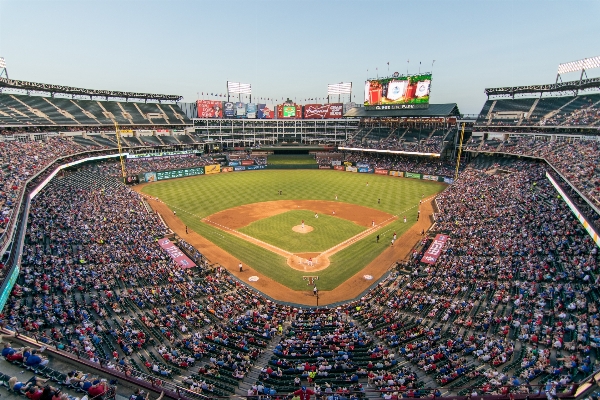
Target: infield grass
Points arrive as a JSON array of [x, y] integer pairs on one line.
[[197, 197], [327, 231]]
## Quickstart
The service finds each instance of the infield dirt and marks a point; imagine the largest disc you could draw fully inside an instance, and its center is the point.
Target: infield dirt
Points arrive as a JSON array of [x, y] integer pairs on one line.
[[349, 289]]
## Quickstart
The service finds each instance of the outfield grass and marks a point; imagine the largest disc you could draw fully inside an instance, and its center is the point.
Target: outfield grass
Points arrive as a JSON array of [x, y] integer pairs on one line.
[[291, 159], [327, 231], [198, 197]]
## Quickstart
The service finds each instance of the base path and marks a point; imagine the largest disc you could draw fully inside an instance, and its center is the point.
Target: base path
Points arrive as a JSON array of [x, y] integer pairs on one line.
[[246, 214], [349, 289], [238, 217]]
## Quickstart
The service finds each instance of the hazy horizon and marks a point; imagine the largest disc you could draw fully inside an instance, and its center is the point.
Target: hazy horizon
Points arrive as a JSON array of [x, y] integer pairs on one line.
[[294, 49]]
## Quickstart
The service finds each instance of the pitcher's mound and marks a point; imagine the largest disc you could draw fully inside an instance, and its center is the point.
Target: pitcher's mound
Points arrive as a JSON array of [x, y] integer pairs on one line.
[[300, 229]]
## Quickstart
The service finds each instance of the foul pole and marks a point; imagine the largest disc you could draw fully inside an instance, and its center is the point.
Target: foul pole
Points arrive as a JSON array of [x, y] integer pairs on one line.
[[460, 145], [118, 134]]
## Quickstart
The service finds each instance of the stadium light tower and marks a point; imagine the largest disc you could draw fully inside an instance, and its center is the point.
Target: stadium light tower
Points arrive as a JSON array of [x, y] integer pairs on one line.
[[3, 70], [576, 66], [239, 89], [339, 89]]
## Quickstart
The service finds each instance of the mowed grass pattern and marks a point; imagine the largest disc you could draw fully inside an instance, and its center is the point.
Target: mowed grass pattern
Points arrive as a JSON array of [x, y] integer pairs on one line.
[[198, 197], [327, 231], [296, 159]]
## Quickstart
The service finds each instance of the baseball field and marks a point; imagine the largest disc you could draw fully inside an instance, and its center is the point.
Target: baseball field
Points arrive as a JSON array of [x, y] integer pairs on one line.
[[285, 225]]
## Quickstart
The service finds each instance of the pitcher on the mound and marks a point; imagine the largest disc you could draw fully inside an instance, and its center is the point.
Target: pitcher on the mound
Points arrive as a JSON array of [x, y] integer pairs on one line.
[[302, 224]]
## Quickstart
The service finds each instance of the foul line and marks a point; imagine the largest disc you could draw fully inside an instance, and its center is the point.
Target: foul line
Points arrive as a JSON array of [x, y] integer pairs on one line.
[[269, 247]]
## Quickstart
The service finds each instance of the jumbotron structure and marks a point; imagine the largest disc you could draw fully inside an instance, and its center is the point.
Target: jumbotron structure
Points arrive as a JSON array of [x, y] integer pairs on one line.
[[496, 298]]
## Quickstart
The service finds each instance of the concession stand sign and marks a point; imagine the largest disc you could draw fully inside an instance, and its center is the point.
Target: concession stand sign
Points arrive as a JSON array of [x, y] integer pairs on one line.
[[176, 254], [435, 250]]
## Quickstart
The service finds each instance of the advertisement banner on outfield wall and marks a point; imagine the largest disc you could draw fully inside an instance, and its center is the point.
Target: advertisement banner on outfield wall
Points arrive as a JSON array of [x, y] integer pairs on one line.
[[362, 165], [412, 175], [252, 167], [381, 171], [176, 254], [234, 163], [323, 111], [339, 167], [264, 112], [228, 109], [338, 162], [324, 166], [347, 163], [430, 178], [239, 168], [150, 177], [212, 169], [251, 110], [247, 162], [399, 174], [351, 169], [240, 109], [435, 250], [365, 170], [179, 173], [227, 169], [209, 109]]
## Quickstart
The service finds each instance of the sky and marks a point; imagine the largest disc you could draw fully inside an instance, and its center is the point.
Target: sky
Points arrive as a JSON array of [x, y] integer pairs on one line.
[[293, 49]]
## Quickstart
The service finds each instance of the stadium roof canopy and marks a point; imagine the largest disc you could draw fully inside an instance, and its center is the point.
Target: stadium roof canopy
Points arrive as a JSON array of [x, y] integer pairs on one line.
[[558, 87], [44, 87], [434, 110]]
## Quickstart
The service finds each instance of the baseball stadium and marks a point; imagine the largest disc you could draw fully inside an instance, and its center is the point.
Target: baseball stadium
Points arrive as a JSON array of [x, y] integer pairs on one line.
[[262, 248]]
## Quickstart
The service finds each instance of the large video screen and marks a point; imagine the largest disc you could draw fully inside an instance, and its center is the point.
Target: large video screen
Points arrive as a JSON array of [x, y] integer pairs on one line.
[[398, 91], [289, 111]]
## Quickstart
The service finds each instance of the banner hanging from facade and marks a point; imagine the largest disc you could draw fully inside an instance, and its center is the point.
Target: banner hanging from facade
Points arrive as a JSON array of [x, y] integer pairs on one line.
[[435, 250], [176, 254]]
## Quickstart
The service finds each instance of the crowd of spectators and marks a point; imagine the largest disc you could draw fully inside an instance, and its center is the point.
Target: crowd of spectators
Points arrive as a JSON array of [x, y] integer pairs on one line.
[[586, 114], [429, 145], [576, 160], [134, 166], [423, 165], [402, 139], [517, 280], [19, 161]]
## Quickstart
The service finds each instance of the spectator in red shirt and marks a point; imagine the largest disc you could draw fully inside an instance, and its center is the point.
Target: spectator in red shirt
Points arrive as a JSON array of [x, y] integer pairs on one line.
[[98, 390], [304, 393]]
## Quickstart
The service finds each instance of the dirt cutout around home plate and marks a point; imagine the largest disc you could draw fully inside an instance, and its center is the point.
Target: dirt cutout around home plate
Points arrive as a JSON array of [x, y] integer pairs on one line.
[[349, 289], [302, 228]]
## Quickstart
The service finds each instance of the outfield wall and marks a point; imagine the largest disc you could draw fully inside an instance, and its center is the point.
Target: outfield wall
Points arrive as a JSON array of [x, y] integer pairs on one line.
[[235, 166]]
